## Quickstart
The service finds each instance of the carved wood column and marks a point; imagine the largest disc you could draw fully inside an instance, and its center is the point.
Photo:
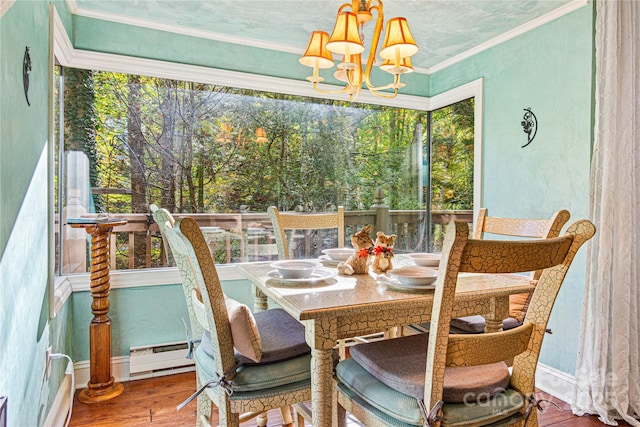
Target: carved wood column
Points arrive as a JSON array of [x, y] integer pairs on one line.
[[101, 385]]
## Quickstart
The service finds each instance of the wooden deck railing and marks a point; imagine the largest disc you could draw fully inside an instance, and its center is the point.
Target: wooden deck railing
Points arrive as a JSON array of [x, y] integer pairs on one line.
[[239, 237]]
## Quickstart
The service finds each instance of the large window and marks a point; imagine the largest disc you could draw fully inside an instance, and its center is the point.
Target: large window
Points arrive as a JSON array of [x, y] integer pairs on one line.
[[226, 154]]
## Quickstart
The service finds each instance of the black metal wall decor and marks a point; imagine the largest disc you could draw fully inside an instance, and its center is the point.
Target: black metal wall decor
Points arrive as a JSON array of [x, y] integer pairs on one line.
[[529, 125], [26, 69]]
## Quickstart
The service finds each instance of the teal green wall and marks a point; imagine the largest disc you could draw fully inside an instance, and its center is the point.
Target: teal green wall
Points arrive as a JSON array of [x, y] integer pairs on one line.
[[142, 316], [110, 37], [24, 129], [548, 69], [25, 328]]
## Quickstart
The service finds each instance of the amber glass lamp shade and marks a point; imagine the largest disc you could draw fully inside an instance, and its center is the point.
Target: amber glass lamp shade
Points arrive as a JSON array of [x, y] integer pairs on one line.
[[345, 38], [317, 56], [317, 53], [398, 41]]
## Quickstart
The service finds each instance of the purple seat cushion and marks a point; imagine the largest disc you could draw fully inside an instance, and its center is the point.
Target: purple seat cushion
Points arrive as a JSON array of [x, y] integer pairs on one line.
[[475, 324], [400, 363], [281, 335]]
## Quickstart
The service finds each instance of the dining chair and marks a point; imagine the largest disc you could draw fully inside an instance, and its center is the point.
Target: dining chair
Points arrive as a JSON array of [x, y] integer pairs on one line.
[[246, 364], [290, 222], [511, 228], [194, 330], [521, 228], [443, 379]]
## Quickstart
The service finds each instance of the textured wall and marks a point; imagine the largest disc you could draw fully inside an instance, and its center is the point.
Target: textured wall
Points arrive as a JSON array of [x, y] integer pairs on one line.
[[142, 316], [548, 69], [25, 329], [103, 36]]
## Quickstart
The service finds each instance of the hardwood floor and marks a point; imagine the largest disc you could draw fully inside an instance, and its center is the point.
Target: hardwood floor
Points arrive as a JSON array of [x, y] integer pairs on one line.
[[154, 401]]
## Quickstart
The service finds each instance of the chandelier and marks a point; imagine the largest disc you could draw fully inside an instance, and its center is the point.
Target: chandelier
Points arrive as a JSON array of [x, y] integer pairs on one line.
[[347, 39]]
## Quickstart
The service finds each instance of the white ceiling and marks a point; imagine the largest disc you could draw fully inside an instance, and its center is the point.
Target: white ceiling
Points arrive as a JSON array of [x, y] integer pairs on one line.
[[445, 30]]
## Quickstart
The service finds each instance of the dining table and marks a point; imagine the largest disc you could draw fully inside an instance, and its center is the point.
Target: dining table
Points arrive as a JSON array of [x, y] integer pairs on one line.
[[333, 307]]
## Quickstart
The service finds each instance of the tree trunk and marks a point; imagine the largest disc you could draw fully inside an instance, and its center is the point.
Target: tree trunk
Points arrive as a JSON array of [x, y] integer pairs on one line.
[[139, 202], [166, 142]]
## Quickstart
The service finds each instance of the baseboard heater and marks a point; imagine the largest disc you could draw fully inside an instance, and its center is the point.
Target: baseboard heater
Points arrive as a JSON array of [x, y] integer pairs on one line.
[[158, 360]]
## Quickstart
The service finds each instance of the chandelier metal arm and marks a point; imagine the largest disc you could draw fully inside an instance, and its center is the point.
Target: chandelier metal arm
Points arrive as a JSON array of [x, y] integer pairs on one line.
[[330, 92], [355, 84], [347, 40], [394, 85], [374, 42], [344, 6]]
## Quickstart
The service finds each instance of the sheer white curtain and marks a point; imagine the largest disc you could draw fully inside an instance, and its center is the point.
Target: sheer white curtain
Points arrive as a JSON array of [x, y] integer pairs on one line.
[[607, 374]]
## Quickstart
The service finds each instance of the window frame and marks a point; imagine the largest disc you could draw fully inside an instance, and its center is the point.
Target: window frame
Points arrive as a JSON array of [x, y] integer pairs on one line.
[[63, 53]]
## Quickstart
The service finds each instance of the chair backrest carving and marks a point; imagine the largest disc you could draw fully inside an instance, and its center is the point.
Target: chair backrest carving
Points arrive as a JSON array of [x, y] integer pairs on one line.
[[199, 275], [283, 221], [521, 227], [552, 257], [213, 297]]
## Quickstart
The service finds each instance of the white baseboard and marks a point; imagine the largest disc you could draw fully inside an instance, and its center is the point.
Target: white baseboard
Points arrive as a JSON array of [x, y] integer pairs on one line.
[[119, 370], [57, 415], [555, 382]]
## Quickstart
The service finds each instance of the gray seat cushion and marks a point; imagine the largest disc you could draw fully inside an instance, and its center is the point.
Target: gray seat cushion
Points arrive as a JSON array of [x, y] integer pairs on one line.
[[400, 363], [397, 409], [285, 362], [282, 338], [475, 324], [291, 373], [353, 379]]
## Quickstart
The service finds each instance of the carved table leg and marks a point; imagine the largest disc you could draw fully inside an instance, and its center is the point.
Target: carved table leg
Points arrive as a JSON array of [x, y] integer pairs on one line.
[[499, 311], [260, 300], [321, 337], [322, 387]]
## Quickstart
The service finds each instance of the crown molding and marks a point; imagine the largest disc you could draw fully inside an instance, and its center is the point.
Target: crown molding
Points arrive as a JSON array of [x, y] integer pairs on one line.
[[177, 29], [245, 41], [68, 56], [5, 5], [192, 32], [472, 89], [535, 23], [62, 47]]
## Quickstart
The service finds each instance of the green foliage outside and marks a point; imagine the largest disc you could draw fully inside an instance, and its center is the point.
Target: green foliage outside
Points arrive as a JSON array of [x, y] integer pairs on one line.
[[452, 157], [198, 152]]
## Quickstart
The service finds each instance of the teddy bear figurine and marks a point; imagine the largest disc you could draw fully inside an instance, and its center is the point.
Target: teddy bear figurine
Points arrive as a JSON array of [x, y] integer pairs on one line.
[[383, 253], [358, 263]]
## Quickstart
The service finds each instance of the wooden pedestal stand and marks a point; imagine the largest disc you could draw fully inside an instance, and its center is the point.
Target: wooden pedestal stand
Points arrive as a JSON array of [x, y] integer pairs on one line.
[[101, 385]]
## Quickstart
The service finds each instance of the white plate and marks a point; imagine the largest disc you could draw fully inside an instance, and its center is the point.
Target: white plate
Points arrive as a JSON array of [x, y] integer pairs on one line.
[[414, 276], [425, 259], [395, 284], [296, 268], [318, 275], [338, 254], [325, 260]]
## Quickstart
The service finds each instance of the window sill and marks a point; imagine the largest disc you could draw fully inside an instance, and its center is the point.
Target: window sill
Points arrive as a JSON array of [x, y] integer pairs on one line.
[[62, 290], [146, 277]]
